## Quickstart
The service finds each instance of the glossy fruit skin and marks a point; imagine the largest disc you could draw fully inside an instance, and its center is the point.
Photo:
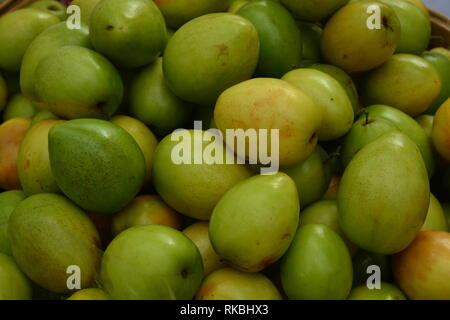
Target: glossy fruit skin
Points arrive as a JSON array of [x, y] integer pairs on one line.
[[442, 51], [91, 87], [97, 164], [349, 44], [178, 12], [44, 44], [89, 294], [329, 96], [363, 259], [325, 212], [386, 292], [145, 209], [12, 133], [414, 25], [406, 82], [33, 161], [197, 197], [19, 107], [441, 130], [310, 35], [144, 138], [279, 105], [210, 54], [198, 232], [436, 218], [311, 176], [3, 93], [317, 265], [254, 222], [421, 270], [442, 65], [276, 28], [17, 30], [53, 7], [408, 126], [309, 10], [231, 284], [8, 202], [152, 102], [49, 225], [151, 262], [131, 33], [385, 179], [14, 285]]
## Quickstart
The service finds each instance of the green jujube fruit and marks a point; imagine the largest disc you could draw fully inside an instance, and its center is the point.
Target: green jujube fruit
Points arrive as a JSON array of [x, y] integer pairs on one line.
[[317, 265], [387, 291], [97, 164], [17, 30], [383, 195], [53, 7], [175, 183], [14, 285], [19, 107], [8, 202], [254, 223], [48, 234], [276, 29], [210, 54], [436, 219], [442, 65]]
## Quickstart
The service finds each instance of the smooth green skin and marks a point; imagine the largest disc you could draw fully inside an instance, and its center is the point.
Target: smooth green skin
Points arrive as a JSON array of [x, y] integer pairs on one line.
[[33, 164], [131, 33], [364, 131], [178, 12], [91, 86], [349, 44], [236, 5], [48, 233], [17, 30], [406, 82], [363, 259], [426, 122], [310, 10], [197, 197], [328, 95], [86, 8], [344, 79], [151, 262], [152, 102], [45, 43], [97, 164], [254, 223], [311, 176], [3, 93], [276, 29], [408, 126], [14, 285], [414, 25], [317, 265], [384, 194], [43, 115], [436, 218], [310, 36], [8, 202], [386, 292], [442, 65], [231, 284], [210, 54], [325, 212], [19, 107], [443, 51], [53, 7]]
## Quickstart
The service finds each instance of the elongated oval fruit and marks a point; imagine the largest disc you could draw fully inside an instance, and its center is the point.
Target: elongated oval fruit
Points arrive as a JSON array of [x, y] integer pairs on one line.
[[254, 222], [421, 270], [33, 161], [48, 225], [231, 284], [317, 265], [384, 194], [210, 54], [276, 29], [14, 285], [97, 164]]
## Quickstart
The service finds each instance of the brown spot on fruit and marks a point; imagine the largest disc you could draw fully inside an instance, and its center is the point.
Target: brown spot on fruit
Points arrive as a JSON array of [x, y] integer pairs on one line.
[[223, 50], [266, 262], [285, 236]]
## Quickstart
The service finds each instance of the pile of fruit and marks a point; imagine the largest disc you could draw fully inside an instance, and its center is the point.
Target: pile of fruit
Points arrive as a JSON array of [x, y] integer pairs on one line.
[[93, 204]]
